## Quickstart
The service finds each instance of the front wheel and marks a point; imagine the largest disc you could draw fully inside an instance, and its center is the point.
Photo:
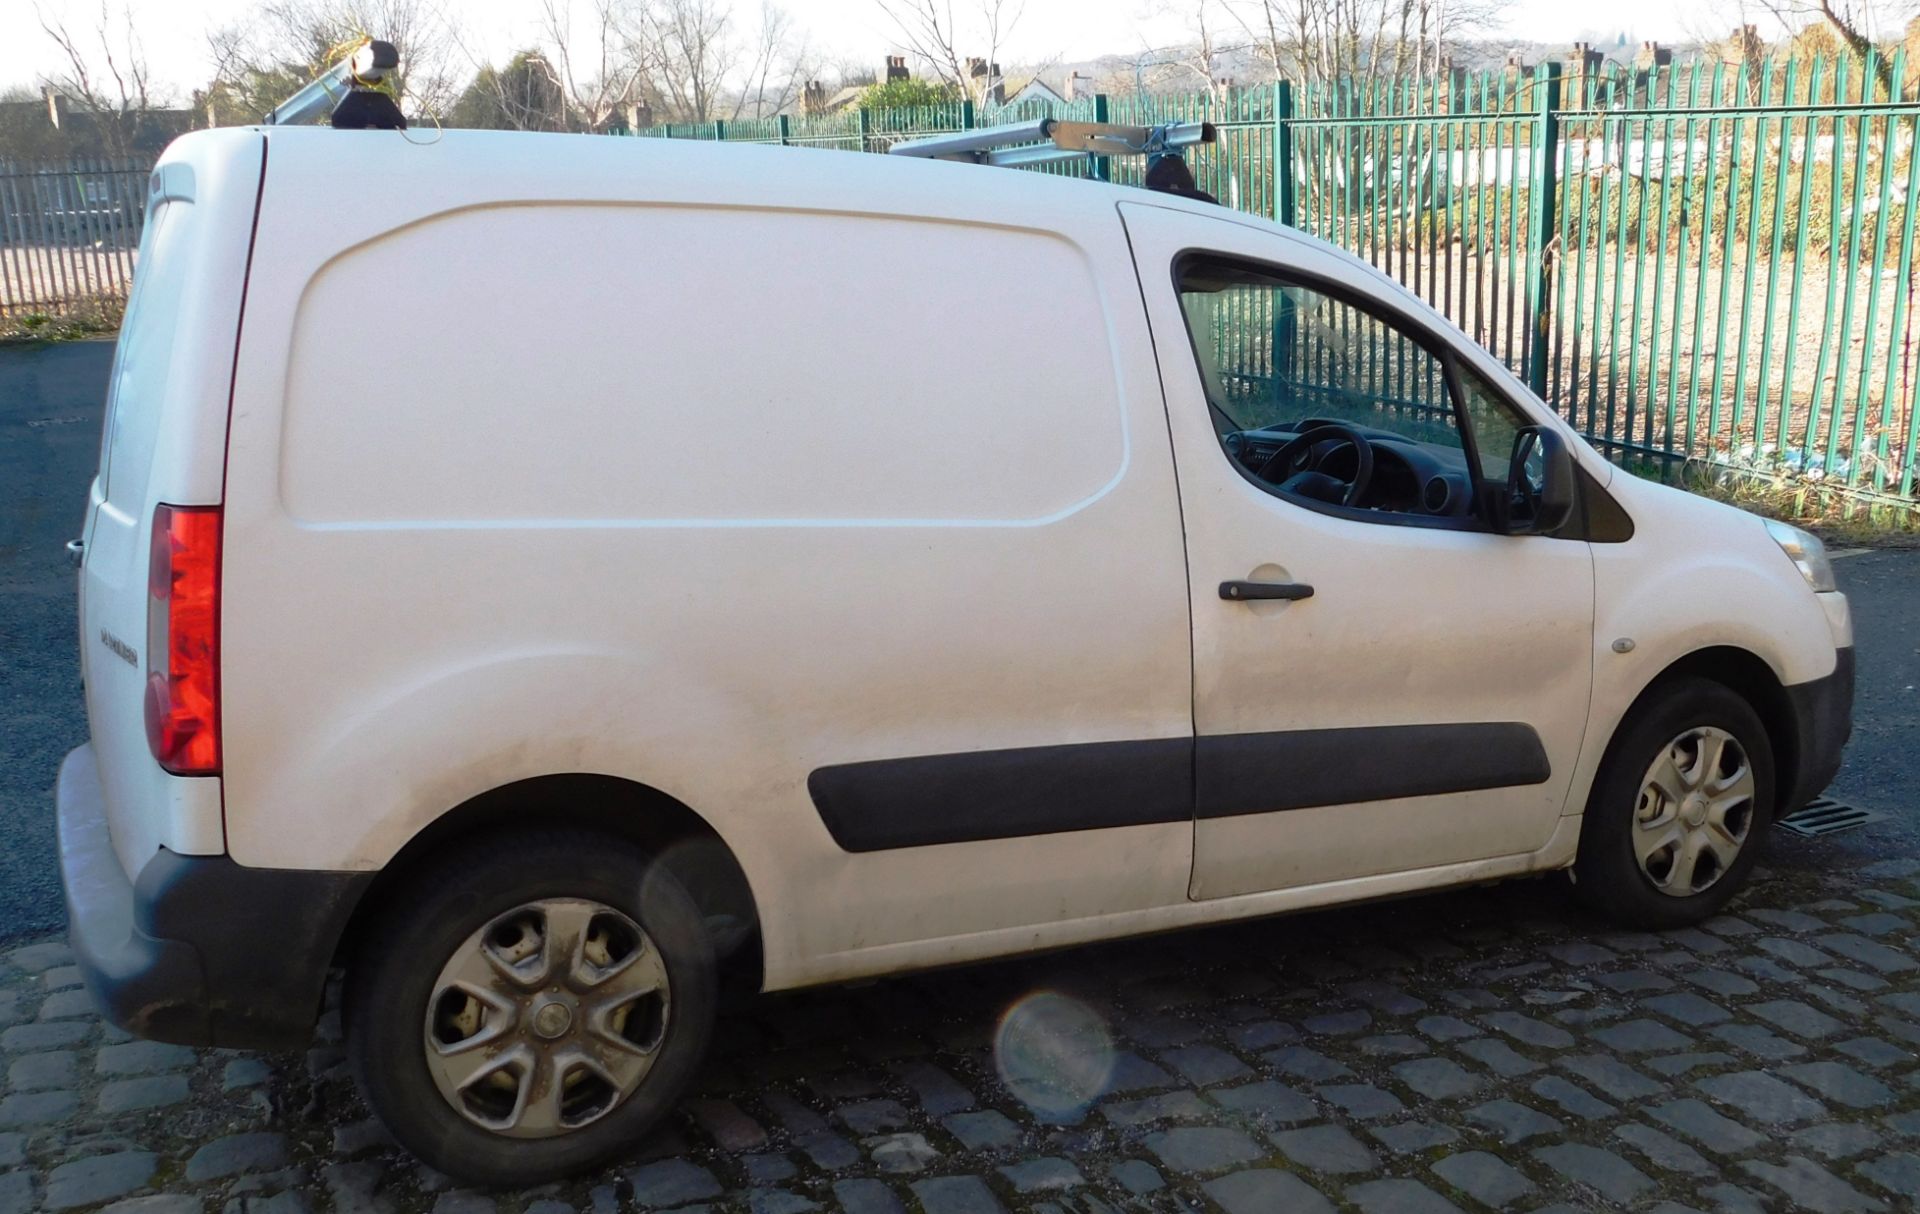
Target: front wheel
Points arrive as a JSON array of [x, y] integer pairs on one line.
[[1674, 823], [532, 1007]]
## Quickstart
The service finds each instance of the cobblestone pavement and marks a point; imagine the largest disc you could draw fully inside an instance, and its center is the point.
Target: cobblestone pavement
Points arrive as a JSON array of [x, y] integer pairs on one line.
[[1488, 1049]]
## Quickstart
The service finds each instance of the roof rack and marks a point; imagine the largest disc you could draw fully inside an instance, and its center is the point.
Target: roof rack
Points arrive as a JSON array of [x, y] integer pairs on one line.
[[1056, 141], [347, 88]]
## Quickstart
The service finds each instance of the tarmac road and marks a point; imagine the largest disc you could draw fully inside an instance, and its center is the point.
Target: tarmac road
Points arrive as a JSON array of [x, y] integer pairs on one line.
[[50, 402]]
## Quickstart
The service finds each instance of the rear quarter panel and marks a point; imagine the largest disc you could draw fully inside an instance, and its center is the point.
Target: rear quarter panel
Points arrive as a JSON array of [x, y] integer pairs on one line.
[[165, 441], [431, 591]]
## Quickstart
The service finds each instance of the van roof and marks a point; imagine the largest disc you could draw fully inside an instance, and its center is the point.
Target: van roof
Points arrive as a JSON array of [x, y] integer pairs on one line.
[[572, 165], [448, 168]]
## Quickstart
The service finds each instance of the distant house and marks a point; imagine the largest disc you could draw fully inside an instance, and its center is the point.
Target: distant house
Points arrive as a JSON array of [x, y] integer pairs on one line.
[[54, 126], [1035, 89], [847, 98], [987, 85], [814, 98]]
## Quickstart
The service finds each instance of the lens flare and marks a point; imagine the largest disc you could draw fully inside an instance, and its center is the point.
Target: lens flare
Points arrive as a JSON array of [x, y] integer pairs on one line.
[[1054, 1053]]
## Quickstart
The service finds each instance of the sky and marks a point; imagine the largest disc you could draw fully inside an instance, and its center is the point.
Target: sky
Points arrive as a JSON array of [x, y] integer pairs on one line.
[[173, 31]]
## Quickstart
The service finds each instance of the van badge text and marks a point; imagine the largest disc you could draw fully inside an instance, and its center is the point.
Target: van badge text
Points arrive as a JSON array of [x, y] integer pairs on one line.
[[123, 650]]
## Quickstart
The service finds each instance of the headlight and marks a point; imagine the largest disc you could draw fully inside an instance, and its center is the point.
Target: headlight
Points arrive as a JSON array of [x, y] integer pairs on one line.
[[1806, 552]]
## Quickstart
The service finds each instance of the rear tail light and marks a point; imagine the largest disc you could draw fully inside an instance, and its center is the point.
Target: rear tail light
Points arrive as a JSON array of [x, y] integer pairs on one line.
[[183, 640]]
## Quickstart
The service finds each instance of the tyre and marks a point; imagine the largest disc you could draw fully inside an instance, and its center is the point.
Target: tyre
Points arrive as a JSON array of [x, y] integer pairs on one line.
[[1678, 809], [531, 1006]]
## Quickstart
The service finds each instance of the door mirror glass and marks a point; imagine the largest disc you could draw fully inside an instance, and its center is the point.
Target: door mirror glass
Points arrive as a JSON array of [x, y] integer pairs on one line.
[[1536, 494]]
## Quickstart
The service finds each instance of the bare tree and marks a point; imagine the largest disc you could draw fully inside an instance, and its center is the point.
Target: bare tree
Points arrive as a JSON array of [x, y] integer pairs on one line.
[[942, 43], [854, 72], [1853, 23], [1862, 20], [521, 96], [598, 64], [106, 73], [690, 48], [781, 59], [285, 42], [683, 60], [1144, 71], [1327, 40], [1199, 58]]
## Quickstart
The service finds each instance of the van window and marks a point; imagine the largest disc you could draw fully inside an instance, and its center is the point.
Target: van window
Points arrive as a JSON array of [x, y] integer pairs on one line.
[[1496, 426], [1280, 358], [1276, 354], [142, 354], [678, 365]]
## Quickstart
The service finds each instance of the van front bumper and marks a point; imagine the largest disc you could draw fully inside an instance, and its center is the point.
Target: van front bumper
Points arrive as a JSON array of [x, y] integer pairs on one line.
[[196, 950], [1822, 713]]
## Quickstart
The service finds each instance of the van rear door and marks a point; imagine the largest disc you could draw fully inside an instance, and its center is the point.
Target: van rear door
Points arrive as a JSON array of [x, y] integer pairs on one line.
[[163, 442]]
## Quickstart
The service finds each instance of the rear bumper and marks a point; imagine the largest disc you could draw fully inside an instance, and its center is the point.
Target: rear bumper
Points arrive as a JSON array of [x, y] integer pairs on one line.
[[196, 950], [1822, 713]]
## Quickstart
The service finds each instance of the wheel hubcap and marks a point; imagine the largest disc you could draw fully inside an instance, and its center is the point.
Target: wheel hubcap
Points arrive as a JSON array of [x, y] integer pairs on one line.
[[1695, 811], [547, 1018], [552, 1019]]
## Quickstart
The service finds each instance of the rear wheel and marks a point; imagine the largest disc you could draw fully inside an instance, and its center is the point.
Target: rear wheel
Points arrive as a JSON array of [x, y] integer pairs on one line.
[[1678, 809], [532, 1007]]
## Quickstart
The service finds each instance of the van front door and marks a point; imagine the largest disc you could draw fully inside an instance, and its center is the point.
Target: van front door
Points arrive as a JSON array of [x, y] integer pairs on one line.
[[1381, 683]]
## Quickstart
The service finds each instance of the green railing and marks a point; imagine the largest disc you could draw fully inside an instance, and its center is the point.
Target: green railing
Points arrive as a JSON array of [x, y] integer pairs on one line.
[[68, 231], [1710, 262]]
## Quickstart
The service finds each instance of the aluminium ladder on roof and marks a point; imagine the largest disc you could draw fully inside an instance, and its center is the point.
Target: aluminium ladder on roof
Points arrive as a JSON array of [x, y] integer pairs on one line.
[[369, 64], [1055, 141]]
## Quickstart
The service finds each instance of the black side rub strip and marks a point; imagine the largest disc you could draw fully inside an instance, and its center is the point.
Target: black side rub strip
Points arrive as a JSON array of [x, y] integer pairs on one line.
[[1042, 790], [1257, 773], [1004, 794]]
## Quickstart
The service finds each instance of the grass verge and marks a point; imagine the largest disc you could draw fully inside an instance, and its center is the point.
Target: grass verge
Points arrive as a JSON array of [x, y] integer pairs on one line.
[[81, 319], [1842, 519]]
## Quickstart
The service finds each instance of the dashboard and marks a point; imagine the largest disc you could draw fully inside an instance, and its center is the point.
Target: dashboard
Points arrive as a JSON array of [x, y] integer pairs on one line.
[[1408, 477]]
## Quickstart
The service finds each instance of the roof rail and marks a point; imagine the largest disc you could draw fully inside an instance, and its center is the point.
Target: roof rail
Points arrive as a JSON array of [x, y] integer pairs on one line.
[[347, 88], [1056, 141]]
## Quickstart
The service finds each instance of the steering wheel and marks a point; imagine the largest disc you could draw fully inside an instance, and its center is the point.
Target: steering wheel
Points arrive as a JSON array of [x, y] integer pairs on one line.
[[1305, 477]]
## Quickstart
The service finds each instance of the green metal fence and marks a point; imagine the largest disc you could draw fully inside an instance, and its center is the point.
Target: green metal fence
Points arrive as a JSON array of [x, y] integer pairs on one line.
[[68, 232], [1710, 262]]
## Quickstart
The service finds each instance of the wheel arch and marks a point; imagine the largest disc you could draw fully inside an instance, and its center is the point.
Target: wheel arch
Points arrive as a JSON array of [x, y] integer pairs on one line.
[[610, 805], [1747, 675]]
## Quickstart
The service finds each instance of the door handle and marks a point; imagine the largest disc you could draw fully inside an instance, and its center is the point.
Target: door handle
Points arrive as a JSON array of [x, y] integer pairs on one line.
[[1240, 592]]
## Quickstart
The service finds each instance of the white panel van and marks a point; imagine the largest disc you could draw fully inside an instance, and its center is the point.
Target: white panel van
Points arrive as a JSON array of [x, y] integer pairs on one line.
[[557, 575]]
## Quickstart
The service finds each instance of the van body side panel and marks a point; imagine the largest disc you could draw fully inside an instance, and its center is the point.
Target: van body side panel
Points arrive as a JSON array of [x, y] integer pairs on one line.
[[632, 469], [164, 441]]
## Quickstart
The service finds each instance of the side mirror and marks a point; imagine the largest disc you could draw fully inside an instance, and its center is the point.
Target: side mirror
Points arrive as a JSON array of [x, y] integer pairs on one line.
[[1537, 495]]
